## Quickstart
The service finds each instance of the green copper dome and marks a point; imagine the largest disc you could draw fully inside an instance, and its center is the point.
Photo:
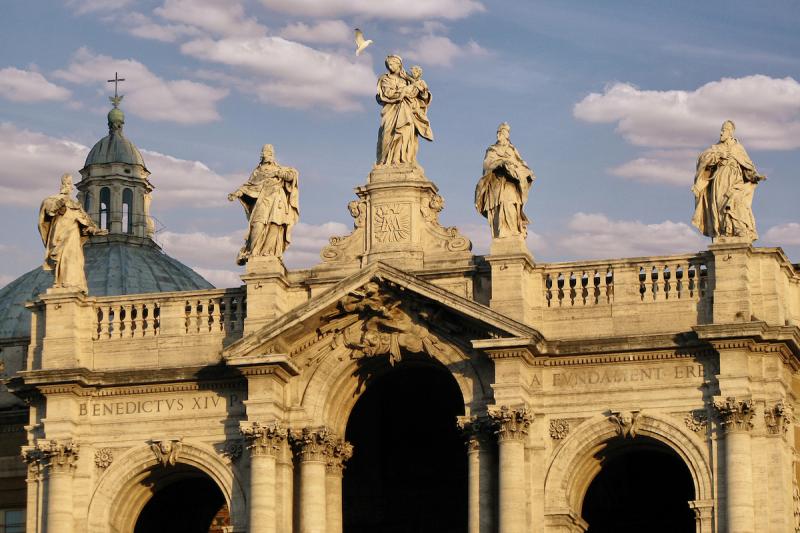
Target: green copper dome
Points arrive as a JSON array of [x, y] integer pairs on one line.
[[114, 147], [113, 267]]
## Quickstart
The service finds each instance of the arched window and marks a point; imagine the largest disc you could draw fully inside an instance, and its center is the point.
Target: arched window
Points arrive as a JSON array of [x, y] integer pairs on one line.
[[127, 217], [105, 201], [87, 202]]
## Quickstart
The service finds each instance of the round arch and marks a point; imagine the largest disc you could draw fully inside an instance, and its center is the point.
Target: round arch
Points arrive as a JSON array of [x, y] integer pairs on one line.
[[120, 496], [335, 385], [573, 466]]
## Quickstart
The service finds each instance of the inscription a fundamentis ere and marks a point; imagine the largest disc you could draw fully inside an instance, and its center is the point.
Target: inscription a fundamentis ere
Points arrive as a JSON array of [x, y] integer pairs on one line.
[[621, 375]]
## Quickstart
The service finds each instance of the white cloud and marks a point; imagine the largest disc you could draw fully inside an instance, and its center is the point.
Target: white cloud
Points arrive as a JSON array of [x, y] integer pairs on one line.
[[381, 9], [324, 32], [144, 27], [28, 86], [481, 237], [295, 75], [147, 95], [89, 6], [182, 182], [33, 163], [220, 278], [214, 256], [674, 167], [783, 234], [766, 111], [219, 17], [595, 236], [441, 51], [308, 240]]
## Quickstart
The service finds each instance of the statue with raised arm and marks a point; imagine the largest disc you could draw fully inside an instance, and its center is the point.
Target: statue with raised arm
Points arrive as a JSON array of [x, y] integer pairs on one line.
[[404, 99], [503, 190], [64, 227], [270, 201], [723, 189]]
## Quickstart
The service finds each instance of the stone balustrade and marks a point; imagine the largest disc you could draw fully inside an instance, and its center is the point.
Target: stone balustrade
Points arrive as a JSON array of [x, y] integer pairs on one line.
[[220, 312]]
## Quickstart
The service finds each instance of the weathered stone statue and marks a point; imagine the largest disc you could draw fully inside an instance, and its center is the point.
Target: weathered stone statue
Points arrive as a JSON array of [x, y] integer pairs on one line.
[[723, 189], [404, 117], [64, 226], [270, 200], [503, 190]]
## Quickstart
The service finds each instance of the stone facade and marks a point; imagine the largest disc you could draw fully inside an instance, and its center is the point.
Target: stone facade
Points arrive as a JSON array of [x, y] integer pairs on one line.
[[560, 368]]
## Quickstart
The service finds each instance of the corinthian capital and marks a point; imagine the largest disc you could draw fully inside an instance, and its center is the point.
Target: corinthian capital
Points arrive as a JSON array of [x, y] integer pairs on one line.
[[59, 455], [735, 415], [264, 439], [337, 456], [313, 444], [778, 418], [510, 423]]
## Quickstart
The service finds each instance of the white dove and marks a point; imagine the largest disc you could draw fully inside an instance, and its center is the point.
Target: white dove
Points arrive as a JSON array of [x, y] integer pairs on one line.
[[361, 43]]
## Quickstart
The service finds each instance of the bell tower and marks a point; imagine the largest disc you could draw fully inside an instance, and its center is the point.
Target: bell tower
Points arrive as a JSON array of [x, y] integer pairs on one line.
[[115, 189]]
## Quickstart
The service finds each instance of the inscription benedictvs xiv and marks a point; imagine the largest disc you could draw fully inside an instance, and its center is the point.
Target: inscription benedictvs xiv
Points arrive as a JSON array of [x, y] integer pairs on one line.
[[165, 406], [612, 377]]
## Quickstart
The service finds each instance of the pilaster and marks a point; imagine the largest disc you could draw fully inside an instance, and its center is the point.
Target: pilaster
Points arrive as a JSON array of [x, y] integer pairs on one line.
[[338, 454]]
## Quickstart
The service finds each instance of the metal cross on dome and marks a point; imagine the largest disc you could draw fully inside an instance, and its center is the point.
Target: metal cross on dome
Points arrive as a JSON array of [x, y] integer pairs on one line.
[[116, 99]]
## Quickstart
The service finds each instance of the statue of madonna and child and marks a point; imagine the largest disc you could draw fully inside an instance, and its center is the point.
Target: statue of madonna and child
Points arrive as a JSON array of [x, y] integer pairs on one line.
[[404, 98]]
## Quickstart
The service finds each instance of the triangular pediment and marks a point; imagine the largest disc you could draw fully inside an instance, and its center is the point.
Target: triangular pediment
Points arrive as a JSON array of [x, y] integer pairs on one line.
[[390, 302]]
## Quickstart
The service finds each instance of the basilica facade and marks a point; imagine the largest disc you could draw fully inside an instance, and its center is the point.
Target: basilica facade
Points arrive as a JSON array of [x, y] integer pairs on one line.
[[403, 384]]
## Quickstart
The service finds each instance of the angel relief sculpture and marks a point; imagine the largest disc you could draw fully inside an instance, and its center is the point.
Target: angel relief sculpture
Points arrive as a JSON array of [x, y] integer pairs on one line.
[[376, 321]]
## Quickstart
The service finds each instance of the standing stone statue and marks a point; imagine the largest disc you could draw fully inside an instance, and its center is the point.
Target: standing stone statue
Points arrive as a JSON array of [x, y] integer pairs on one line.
[[404, 116], [503, 190], [270, 201], [64, 226], [723, 189]]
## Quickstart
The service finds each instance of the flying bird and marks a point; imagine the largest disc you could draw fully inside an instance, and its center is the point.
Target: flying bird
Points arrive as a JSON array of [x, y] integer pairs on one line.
[[361, 43]]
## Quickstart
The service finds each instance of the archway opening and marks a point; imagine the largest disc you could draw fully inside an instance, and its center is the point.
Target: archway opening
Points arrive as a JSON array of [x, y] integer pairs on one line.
[[185, 500], [643, 485], [408, 470]]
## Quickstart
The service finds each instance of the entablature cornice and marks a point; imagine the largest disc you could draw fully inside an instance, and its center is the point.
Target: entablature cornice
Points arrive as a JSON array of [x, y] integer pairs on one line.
[[83, 382], [756, 337]]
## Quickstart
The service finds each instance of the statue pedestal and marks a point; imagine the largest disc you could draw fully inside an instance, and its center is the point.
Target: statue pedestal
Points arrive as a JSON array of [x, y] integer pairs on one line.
[[513, 288], [510, 246], [397, 222], [267, 291], [61, 328], [722, 239]]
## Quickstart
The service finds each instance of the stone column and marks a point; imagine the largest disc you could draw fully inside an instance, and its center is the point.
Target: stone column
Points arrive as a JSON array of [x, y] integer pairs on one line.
[[511, 427], [266, 442], [33, 457], [312, 446], [59, 459], [337, 456], [480, 474], [736, 418]]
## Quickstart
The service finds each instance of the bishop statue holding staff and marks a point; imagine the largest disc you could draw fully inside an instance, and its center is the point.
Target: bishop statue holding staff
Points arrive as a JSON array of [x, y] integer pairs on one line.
[[64, 227]]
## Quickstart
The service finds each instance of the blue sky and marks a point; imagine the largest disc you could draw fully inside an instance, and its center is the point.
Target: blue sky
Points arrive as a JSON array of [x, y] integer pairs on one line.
[[609, 102]]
